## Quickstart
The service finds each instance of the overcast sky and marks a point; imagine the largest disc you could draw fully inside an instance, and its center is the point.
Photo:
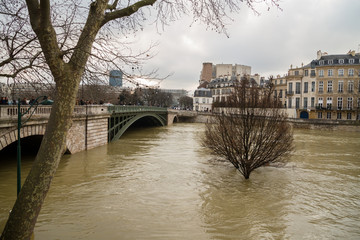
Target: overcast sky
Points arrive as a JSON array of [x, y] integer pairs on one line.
[[269, 43]]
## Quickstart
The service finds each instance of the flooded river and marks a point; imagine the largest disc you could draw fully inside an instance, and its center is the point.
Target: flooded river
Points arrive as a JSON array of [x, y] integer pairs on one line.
[[159, 183]]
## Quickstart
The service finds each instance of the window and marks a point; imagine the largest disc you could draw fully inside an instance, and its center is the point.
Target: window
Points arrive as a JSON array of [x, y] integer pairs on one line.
[[330, 61], [330, 72], [349, 103], [350, 86], [319, 114], [290, 103], [196, 100], [306, 87], [306, 72], [341, 87], [321, 62], [328, 102], [338, 115], [328, 115], [297, 88], [305, 102], [280, 93], [281, 81], [297, 103], [341, 61], [203, 100], [350, 72], [320, 102], [275, 93], [321, 86], [312, 74], [321, 73], [329, 87], [313, 86], [339, 103], [290, 88], [296, 73], [341, 72], [348, 116], [351, 61], [312, 102]]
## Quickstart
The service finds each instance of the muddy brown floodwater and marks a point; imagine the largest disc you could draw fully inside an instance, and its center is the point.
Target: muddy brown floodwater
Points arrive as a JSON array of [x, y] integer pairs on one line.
[[159, 183]]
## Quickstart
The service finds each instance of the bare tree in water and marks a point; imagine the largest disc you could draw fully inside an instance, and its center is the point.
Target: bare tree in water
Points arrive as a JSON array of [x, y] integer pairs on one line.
[[250, 130], [65, 41]]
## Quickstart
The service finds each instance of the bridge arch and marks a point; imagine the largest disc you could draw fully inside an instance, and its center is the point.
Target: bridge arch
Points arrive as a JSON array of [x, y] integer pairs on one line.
[[27, 131], [118, 124], [11, 136]]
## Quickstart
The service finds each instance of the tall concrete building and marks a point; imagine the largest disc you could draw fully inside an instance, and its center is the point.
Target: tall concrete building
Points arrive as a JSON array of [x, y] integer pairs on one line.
[[206, 72], [236, 70], [116, 77], [212, 71]]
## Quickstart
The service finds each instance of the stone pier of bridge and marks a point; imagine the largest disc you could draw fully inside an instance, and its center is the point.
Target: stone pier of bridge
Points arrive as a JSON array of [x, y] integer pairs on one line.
[[92, 125], [89, 127]]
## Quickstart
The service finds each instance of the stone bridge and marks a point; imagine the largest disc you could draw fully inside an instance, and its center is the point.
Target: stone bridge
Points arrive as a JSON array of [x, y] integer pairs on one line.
[[92, 125]]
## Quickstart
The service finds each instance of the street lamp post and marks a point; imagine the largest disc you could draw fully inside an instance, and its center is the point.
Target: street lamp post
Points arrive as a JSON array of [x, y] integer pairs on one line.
[[33, 105]]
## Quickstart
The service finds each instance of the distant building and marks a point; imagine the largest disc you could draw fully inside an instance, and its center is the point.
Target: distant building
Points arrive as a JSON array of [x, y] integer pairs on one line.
[[222, 87], [236, 70], [202, 100], [211, 71], [206, 72], [116, 78], [280, 89]]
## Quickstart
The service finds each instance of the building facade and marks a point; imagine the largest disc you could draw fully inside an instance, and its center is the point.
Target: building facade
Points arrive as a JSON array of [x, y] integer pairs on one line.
[[202, 100], [326, 88]]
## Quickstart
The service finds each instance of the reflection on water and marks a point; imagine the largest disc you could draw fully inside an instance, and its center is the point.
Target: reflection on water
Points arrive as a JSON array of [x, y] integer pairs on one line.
[[158, 183]]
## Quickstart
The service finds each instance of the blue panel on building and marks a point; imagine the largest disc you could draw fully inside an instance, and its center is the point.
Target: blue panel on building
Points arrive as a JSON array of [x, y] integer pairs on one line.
[[116, 78]]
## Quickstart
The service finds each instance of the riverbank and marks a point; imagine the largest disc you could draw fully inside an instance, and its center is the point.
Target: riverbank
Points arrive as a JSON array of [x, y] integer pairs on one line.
[[336, 125]]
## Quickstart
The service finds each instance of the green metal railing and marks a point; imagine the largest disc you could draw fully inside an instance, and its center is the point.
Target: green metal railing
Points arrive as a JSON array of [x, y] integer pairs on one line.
[[128, 109]]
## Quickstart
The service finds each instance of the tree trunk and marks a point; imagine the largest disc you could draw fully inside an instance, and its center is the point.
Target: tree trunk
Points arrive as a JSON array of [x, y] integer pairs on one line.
[[23, 217]]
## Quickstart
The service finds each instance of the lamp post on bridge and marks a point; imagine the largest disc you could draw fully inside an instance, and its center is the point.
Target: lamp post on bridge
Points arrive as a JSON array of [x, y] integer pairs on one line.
[[33, 105]]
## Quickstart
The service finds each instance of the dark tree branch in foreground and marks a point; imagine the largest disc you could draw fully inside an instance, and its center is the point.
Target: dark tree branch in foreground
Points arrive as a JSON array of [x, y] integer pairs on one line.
[[251, 131]]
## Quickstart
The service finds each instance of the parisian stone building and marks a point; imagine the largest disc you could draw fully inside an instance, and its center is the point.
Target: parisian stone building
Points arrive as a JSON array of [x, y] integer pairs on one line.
[[326, 88]]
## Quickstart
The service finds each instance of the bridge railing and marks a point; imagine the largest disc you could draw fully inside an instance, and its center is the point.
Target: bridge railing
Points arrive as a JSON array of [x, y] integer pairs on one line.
[[11, 111], [123, 109]]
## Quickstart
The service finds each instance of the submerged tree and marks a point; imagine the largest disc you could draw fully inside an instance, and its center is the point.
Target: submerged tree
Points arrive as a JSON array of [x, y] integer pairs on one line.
[[250, 130], [70, 41]]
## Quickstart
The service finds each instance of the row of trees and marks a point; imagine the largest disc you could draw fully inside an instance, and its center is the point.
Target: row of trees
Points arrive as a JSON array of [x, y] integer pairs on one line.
[[149, 97]]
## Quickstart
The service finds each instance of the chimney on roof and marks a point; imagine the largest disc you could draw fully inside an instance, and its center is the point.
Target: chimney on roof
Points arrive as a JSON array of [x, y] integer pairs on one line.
[[319, 54], [352, 53]]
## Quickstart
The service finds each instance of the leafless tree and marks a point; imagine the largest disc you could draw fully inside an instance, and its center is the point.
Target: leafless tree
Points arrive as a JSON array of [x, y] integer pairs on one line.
[[68, 46], [250, 130]]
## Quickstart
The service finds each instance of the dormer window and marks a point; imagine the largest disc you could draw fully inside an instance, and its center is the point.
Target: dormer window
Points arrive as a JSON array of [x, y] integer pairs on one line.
[[321, 62], [341, 61], [330, 61], [351, 61]]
